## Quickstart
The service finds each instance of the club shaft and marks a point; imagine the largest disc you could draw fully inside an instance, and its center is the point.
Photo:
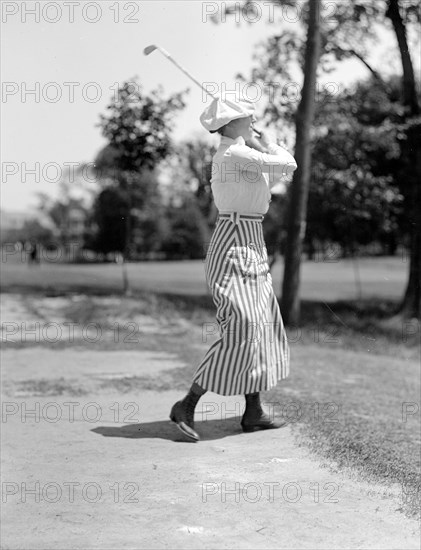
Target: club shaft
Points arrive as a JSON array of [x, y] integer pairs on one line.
[[185, 71]]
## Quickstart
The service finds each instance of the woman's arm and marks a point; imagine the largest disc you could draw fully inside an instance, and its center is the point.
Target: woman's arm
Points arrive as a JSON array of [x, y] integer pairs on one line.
[[254, 143], [276, 162]]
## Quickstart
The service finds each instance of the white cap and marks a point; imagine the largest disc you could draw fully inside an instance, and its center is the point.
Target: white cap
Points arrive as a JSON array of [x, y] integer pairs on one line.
[[219, 113]]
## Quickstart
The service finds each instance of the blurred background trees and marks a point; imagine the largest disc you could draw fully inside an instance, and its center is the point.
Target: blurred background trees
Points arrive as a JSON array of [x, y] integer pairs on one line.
[[138, 129], [355, 197], [333, 32], [360, 193]]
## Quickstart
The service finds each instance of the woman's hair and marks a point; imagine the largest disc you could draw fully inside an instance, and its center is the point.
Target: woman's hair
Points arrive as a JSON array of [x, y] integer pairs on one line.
[[220, 130]]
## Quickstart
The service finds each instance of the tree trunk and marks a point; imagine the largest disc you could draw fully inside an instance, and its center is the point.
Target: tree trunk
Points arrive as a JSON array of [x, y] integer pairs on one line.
[[297, 212], [127, 239], [410, 306], [408, 80], [411, 303]]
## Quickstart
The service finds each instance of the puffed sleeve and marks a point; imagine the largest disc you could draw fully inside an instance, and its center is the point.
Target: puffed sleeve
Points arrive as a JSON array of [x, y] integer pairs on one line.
[[278, 162]]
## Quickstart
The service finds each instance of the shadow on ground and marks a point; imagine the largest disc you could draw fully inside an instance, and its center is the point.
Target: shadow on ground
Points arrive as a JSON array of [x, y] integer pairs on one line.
[[208, 430]]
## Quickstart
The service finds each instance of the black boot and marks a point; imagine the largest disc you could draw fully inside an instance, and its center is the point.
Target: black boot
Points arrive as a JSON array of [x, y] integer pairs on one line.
[[255, 418], [182, 414]]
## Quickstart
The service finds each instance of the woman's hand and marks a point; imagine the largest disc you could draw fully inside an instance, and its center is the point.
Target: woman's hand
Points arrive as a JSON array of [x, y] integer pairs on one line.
[[282, 144], [266, 138], [256, 143]]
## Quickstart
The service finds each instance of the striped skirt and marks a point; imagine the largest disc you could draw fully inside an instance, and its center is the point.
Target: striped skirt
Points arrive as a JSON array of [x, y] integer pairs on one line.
[[252, 352]]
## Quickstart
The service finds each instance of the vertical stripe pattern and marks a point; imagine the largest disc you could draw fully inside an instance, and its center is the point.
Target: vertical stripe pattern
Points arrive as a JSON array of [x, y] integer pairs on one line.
[[252, 352]]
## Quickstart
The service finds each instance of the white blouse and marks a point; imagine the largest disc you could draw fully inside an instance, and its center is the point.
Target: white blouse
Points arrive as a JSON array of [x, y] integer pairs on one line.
[[242, 177]]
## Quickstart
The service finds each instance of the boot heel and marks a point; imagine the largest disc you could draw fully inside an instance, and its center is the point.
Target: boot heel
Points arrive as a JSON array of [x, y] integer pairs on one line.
[[249, 429], [184, 420]]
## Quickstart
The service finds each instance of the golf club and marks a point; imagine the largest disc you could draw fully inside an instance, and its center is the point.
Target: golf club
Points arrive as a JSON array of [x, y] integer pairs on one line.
[[149, 49]]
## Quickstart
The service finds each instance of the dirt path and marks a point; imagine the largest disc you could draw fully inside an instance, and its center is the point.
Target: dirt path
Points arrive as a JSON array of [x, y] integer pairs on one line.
[[91, 467]]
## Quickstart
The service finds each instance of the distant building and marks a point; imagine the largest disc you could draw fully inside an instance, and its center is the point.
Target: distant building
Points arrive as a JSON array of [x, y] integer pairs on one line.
[[73, 224], [13, 220]]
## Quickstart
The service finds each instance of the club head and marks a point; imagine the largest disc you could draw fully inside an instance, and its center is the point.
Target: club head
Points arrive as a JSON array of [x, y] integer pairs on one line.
[[150, 49]]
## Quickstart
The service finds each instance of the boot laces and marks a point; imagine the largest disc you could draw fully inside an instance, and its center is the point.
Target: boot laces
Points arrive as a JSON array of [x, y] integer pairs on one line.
[[189, 407], [190, 411]]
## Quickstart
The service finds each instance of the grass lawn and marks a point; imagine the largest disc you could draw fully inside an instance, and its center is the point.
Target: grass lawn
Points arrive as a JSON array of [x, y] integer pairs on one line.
[[321, 280], [353, 393]]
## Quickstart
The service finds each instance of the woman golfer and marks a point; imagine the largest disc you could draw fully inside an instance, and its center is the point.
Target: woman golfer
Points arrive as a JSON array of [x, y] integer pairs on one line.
[[252, 353]]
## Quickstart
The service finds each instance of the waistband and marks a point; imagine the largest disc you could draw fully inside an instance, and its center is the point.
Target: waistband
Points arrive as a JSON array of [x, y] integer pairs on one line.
[[234, 217]]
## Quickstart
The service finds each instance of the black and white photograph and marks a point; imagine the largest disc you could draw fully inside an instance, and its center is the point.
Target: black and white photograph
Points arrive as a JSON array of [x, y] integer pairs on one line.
[[210, 275]]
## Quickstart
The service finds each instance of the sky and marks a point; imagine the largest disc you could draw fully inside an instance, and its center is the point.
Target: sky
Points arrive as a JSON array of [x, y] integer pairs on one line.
[[62, 63]]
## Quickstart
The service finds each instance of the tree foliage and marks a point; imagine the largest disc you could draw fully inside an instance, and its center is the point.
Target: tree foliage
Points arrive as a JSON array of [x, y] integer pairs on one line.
[[189, 232], [138, 126], [109, 211], [194, 166], [355, 195]]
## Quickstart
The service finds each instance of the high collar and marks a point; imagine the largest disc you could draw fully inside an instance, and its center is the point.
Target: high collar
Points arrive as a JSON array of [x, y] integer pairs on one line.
[[229, 141]]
